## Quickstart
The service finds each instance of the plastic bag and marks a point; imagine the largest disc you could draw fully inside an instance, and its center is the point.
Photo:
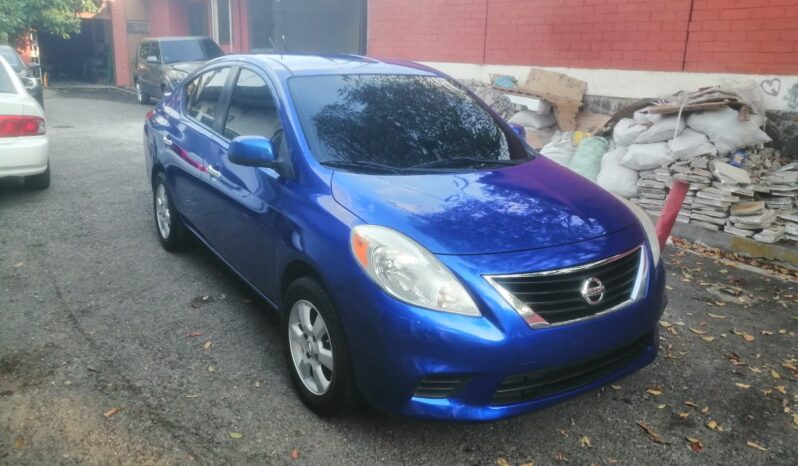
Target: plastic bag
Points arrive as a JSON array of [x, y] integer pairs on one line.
[[663, 129], [587, 158], [530, 119], [691, 144], [560, 148], [647, 156], [616, 178], [626, 131], [726, 131]]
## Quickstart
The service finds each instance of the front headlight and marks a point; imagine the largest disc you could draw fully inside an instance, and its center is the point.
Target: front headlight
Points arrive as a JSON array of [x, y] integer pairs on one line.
[[408, 272], [175, 76], [648, 227]]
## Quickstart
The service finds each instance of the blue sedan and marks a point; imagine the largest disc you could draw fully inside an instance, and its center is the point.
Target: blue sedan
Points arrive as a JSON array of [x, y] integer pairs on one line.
[[419, 253]]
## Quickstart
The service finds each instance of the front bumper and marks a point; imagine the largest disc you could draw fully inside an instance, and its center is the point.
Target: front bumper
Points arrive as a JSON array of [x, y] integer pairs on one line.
[[395, 346], [24, 156]]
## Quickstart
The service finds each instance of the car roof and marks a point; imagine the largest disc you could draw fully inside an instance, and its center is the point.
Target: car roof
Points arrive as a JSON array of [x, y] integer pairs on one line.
[[173, 38], [309, 65]]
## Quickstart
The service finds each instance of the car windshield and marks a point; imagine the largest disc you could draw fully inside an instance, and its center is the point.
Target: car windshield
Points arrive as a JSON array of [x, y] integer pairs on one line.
[[173, 51], [6, 84], [12, 58], [400, 122]]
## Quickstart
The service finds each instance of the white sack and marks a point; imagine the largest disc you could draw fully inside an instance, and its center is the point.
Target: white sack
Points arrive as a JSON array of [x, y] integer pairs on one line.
[[726, 131], [616, 178], [662, 130], [560, 148], [530, 119], [626, 131], [647, 156], [691, 144]]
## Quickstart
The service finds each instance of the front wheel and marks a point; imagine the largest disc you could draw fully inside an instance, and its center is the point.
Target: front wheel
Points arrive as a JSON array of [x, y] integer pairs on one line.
[[315, 349], [171, 231], [141, 96]]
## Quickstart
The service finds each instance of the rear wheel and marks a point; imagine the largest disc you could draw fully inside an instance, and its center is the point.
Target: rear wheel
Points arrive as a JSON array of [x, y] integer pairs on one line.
[[40, 181], [315, 349], [141, 96], [168, 224]]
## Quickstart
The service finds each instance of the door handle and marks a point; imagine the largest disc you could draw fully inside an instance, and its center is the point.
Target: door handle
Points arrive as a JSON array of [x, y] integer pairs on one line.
[[167, 141], [214, 172]]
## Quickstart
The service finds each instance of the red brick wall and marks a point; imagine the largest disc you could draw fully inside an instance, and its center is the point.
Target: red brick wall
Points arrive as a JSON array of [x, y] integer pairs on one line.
[[119, 37], [747, 36]]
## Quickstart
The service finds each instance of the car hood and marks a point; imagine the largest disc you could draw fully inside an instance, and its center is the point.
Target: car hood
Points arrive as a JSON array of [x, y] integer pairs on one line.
[[187, 66], [529, 206]]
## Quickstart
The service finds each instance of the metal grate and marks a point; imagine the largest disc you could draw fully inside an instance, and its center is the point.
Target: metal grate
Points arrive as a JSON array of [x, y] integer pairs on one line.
[[440, 386], [565, 295], [531, 385]]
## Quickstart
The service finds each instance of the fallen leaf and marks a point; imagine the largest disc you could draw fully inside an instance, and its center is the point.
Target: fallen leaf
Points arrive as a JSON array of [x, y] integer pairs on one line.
[[743, 385], [18, 265], [651, 433], [294, 454], [755, 445], [560, 456], [775, 374], [235, 435], [527, 464], [708, 338], [112, 411], [192, 396], [705, 409], [664, 324], [612, 461], [691, 404], [716, 316], [193, 334], [661, 406], [712, 424], [654, 391], [697, 331], [499, 461], [781, 389], [615, 387], [207, 345], [695, 444], [683, 415], [767, 333], [795, 419], [585, 441], [211, 369], [19, 443]]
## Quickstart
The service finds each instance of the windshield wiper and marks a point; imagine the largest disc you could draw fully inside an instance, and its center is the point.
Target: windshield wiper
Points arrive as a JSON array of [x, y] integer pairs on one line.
[[361, 165], [465, 161]]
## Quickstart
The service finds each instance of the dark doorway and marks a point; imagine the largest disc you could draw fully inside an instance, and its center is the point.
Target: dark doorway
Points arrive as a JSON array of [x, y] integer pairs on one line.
[[85, 57], [307, 26]]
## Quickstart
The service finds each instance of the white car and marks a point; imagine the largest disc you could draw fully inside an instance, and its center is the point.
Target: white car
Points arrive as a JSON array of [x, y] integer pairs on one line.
[[24, 147]]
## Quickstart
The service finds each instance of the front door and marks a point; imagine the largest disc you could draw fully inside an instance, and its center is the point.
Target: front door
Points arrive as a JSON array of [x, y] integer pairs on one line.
[[246, 198]]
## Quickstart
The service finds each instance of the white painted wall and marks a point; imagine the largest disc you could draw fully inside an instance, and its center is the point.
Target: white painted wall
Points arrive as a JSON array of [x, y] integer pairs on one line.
[[779, 92]]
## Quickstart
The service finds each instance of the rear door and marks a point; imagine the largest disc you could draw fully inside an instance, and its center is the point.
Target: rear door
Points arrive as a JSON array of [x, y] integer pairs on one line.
[[192, 139], [245, 199]]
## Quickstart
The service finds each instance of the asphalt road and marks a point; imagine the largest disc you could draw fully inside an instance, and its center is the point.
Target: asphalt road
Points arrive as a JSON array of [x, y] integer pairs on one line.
[[95, 316]]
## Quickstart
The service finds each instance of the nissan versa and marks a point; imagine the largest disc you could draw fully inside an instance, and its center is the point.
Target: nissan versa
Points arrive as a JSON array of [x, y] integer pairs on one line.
[[421, 255]]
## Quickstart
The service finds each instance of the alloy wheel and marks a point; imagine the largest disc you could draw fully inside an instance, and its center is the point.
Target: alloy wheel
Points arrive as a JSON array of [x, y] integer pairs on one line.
[[162, 212], [311, 347], [139, 95]]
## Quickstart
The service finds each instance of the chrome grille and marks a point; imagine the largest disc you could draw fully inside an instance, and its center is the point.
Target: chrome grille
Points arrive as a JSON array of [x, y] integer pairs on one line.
[[557, 296]]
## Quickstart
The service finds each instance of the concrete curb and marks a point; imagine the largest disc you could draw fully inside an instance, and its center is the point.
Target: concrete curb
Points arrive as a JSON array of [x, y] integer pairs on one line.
[[783, 252]]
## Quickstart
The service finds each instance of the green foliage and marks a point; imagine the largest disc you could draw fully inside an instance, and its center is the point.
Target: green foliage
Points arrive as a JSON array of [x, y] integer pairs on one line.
[[59, 17]]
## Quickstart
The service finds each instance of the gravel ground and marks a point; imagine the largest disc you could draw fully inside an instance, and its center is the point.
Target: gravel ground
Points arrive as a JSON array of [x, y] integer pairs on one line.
[[96, 317]]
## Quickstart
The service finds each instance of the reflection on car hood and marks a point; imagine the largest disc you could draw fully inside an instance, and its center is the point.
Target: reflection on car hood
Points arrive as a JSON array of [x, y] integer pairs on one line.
[[187, 66], [533, 205]]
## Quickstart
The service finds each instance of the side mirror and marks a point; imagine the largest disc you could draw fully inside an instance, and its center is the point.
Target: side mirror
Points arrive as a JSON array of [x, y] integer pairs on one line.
[[252, 151], [519, 130], [152, 59]]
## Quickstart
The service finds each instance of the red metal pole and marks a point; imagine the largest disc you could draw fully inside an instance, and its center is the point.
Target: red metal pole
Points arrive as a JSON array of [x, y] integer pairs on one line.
[[673, 204]]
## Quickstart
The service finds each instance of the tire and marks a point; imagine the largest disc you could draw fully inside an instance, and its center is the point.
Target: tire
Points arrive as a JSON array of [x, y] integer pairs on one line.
[[40, 181], [325, 345], [141, 96], [169, 226]]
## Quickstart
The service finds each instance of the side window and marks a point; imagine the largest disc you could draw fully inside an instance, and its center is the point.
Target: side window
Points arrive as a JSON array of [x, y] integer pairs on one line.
[[203, 94], [252, 109], [155, 51], [144, 51]]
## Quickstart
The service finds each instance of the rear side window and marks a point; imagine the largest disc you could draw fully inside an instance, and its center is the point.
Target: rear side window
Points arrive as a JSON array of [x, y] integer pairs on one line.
[[252, 109], [6, 85], [203, 94]]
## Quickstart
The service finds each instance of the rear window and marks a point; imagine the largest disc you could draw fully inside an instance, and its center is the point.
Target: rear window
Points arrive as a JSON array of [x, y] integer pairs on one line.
[[12, 58], [6, 84], [398, 121], [173, 51]]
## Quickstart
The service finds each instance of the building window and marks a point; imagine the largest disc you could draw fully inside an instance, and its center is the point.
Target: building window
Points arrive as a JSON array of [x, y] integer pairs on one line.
[[223, 21]]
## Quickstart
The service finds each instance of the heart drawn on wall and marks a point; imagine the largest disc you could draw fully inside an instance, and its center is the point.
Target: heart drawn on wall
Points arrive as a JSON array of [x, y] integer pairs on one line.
[[771, 86]]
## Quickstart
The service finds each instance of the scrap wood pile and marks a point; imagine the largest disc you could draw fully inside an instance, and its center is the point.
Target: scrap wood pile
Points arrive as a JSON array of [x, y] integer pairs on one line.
[[712, 139]]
